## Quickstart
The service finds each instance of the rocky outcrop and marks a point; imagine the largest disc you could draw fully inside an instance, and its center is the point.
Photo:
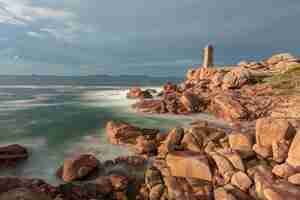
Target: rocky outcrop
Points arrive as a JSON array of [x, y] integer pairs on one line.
[[272, 136], [12, 154], [189, 165], [124, 133], [78, 167], [138, 93], [143, 141], [203, 162], [191, 102], [24, 194], [236, 78], [236, 93], [9, 187], [228, 106]]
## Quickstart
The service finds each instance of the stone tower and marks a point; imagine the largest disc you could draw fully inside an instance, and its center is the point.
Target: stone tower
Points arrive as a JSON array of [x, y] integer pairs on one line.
[[208, 56]]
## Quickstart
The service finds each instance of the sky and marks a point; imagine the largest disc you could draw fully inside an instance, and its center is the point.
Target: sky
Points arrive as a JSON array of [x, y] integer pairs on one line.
[[148, 37]]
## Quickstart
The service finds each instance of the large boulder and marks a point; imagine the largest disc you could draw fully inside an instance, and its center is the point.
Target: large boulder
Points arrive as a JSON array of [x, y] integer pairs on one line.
[[78, 167], [270, 130], [189, 165], [204, 73], [32, 185], [241, 142], [135, 93], [228, 107], [191, 102], [145, 146], [236, 78], [270, 189], [241, 180], [150, 106], [169, 88], [294, 152], [191, 143], [11, 154], [124, 133], [172, 142]]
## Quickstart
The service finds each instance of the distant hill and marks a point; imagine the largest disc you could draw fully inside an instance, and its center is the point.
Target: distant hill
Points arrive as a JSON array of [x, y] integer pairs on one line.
[[105, 80]]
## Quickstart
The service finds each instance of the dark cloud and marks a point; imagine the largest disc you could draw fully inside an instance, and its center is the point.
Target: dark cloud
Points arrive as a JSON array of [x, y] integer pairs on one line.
[[141, 36]]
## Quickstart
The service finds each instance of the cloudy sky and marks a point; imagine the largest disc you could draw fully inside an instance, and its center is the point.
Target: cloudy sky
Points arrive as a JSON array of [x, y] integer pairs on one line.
[[158, 37]]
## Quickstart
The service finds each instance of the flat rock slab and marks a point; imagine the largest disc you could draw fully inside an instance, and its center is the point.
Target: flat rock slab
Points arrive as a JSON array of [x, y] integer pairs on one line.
[[189, 165]]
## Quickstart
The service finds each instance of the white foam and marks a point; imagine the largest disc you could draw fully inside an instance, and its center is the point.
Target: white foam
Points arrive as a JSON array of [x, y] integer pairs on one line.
[[115, 97], [98, 146]]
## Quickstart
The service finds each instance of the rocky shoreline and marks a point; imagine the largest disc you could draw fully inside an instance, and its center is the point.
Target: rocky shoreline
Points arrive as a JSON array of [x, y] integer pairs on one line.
[[256, 157]]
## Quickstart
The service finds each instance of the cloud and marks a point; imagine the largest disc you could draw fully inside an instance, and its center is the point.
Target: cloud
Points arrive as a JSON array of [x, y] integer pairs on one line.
[[22, 12], [35, 34], [144, 35]]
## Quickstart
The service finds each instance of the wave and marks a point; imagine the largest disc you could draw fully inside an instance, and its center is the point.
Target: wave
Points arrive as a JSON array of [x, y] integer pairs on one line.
[[115, 97]]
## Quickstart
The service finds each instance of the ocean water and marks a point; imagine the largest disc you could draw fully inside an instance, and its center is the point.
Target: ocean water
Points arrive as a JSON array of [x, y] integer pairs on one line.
[[54, 122]]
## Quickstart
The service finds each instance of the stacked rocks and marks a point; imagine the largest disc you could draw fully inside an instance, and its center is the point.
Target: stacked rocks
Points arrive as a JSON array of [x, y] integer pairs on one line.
[[206, 162]]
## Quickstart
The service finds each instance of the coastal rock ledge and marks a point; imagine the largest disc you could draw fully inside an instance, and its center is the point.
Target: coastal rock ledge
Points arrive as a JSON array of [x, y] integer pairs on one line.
[[203, 161], [244, 92]]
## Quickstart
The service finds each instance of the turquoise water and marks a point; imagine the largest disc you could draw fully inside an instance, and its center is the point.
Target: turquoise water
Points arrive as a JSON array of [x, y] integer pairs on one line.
[[54, 122]]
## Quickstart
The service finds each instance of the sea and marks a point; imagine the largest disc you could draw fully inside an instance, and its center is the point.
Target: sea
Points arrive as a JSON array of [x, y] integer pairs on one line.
[[57, 117]]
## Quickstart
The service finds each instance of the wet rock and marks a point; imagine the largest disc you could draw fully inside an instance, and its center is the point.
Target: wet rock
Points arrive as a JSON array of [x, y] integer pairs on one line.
[[103, 184], [119, 183], [78, 167], [136, 92], [189, 165], [124, 133], [23, 194], [33, 185], [150, 106], [145, 146], [169, 88], [12, 154]]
